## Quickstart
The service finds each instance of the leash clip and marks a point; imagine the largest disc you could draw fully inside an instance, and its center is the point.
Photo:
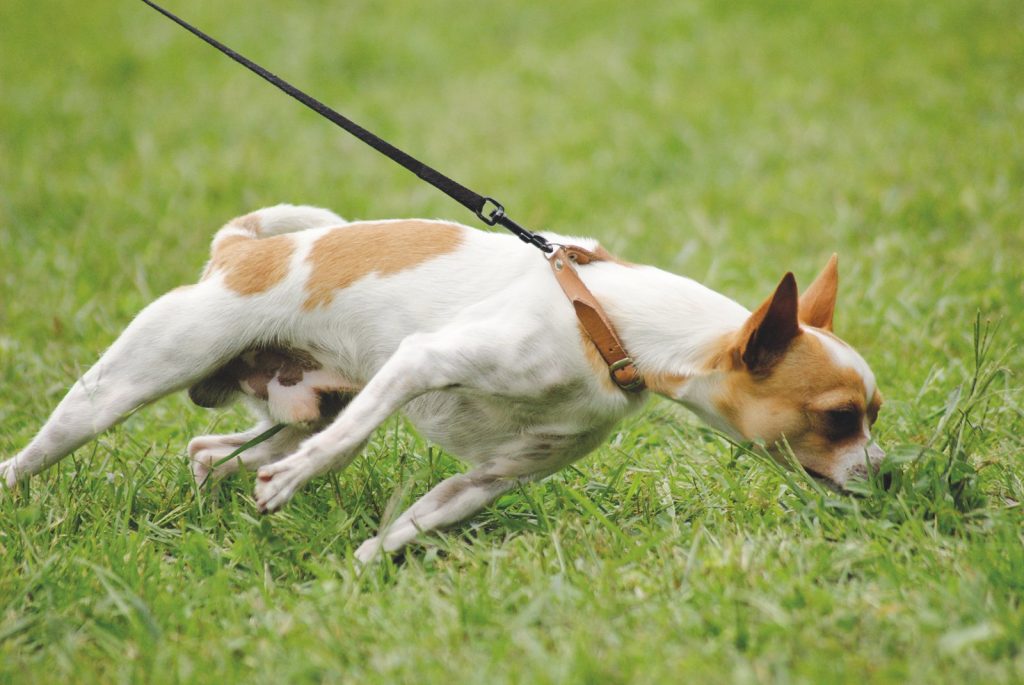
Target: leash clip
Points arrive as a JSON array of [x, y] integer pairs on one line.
[[495, 215]]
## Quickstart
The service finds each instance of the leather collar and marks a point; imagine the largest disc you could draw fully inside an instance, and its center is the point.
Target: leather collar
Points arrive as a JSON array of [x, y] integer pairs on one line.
[[592, 316]]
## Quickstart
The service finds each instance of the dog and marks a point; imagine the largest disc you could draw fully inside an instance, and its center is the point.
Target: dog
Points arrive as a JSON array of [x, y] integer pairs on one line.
[[330, 327]]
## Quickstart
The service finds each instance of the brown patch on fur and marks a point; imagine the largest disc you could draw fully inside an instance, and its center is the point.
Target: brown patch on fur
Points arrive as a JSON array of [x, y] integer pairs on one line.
[[667, 384], [344, 255], [288, 365], [788, 401], [219, 250], [605, 256], [221, 244], [252, 373], [251, 266], [291, 365]]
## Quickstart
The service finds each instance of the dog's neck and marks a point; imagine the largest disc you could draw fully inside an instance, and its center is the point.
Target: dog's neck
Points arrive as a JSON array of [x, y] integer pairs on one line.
[[673, 327]]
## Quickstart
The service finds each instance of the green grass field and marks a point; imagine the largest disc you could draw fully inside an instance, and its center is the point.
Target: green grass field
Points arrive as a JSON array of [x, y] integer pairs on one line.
[[730, 142]]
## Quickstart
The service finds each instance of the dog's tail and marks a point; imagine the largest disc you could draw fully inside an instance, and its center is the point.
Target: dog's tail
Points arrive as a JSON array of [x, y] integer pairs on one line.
[[271, 221], [267, 222]]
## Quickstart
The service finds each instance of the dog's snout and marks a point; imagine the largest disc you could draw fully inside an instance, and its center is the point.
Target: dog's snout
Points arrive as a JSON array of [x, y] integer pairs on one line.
[[870, 464], [875, 455], [860, 471]]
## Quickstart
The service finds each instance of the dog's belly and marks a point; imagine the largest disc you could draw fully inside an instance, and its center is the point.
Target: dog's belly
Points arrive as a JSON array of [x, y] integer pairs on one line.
[[528, 436]]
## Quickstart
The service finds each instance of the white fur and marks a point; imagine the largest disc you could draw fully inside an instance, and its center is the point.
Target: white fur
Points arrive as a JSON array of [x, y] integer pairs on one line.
[[479, 347], [845, 356]]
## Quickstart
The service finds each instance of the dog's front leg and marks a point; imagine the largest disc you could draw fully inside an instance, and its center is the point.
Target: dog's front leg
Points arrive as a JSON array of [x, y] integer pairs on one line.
[[450, 501], [422, 362]]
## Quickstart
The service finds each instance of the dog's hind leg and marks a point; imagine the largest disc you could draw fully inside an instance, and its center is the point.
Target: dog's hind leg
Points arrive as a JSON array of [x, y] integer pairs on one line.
[[175, 341], [206, 451]]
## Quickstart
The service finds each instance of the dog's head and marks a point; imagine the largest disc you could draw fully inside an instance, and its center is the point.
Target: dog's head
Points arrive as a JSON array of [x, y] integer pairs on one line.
[[788, 380]]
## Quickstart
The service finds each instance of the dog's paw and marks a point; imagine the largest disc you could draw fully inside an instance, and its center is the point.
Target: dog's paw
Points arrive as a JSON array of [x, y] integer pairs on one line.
[[206, 451], [206, 470], [369, 551], [201, 473], [276, 483], [8, 474]]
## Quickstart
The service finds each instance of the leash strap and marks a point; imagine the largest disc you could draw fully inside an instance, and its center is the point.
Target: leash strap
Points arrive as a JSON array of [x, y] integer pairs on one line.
[[489, 210], [592, 316]]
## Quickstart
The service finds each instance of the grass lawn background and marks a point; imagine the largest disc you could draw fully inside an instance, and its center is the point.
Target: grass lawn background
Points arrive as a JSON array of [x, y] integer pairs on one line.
[[730, 142]]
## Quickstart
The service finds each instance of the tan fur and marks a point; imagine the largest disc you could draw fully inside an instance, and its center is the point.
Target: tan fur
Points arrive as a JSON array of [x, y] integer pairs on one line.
[[818, 302], [347, 254], [788, 400], [251, 266], [606, 256], [667, 384]]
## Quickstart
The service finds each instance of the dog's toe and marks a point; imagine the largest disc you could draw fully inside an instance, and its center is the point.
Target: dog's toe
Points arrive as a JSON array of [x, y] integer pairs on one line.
[[8, 475], [275, 485], [369, 551], [207, 466], [200, 472]]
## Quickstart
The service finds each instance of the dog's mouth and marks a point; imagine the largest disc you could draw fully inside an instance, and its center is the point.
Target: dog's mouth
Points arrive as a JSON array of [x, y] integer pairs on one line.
[[825, 480], [886, 482]]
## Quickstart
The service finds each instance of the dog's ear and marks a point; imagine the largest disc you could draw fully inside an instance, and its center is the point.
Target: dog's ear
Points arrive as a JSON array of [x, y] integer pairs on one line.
[[769, 330], [818, 303]]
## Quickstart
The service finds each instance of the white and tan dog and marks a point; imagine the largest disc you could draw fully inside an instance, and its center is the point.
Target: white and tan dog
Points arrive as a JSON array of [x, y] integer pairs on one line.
[[331, 327]]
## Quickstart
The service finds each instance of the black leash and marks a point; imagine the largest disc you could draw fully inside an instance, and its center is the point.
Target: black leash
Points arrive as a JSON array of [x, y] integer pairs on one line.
[[489, 210]]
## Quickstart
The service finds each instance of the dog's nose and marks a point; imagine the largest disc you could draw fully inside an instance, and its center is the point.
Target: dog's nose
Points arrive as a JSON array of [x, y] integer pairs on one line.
[[860, 471], [875, 455]]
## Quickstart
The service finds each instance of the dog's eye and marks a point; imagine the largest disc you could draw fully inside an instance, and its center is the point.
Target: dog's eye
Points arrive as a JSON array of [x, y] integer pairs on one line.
[[842, 423]]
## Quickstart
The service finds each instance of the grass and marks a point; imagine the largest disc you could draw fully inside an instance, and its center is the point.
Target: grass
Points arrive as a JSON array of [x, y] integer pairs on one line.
[[727, 141]]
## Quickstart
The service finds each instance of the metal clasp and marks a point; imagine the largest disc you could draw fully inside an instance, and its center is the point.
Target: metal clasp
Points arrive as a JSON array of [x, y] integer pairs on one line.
[[495, 215], [636, 384], [621, 364]]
